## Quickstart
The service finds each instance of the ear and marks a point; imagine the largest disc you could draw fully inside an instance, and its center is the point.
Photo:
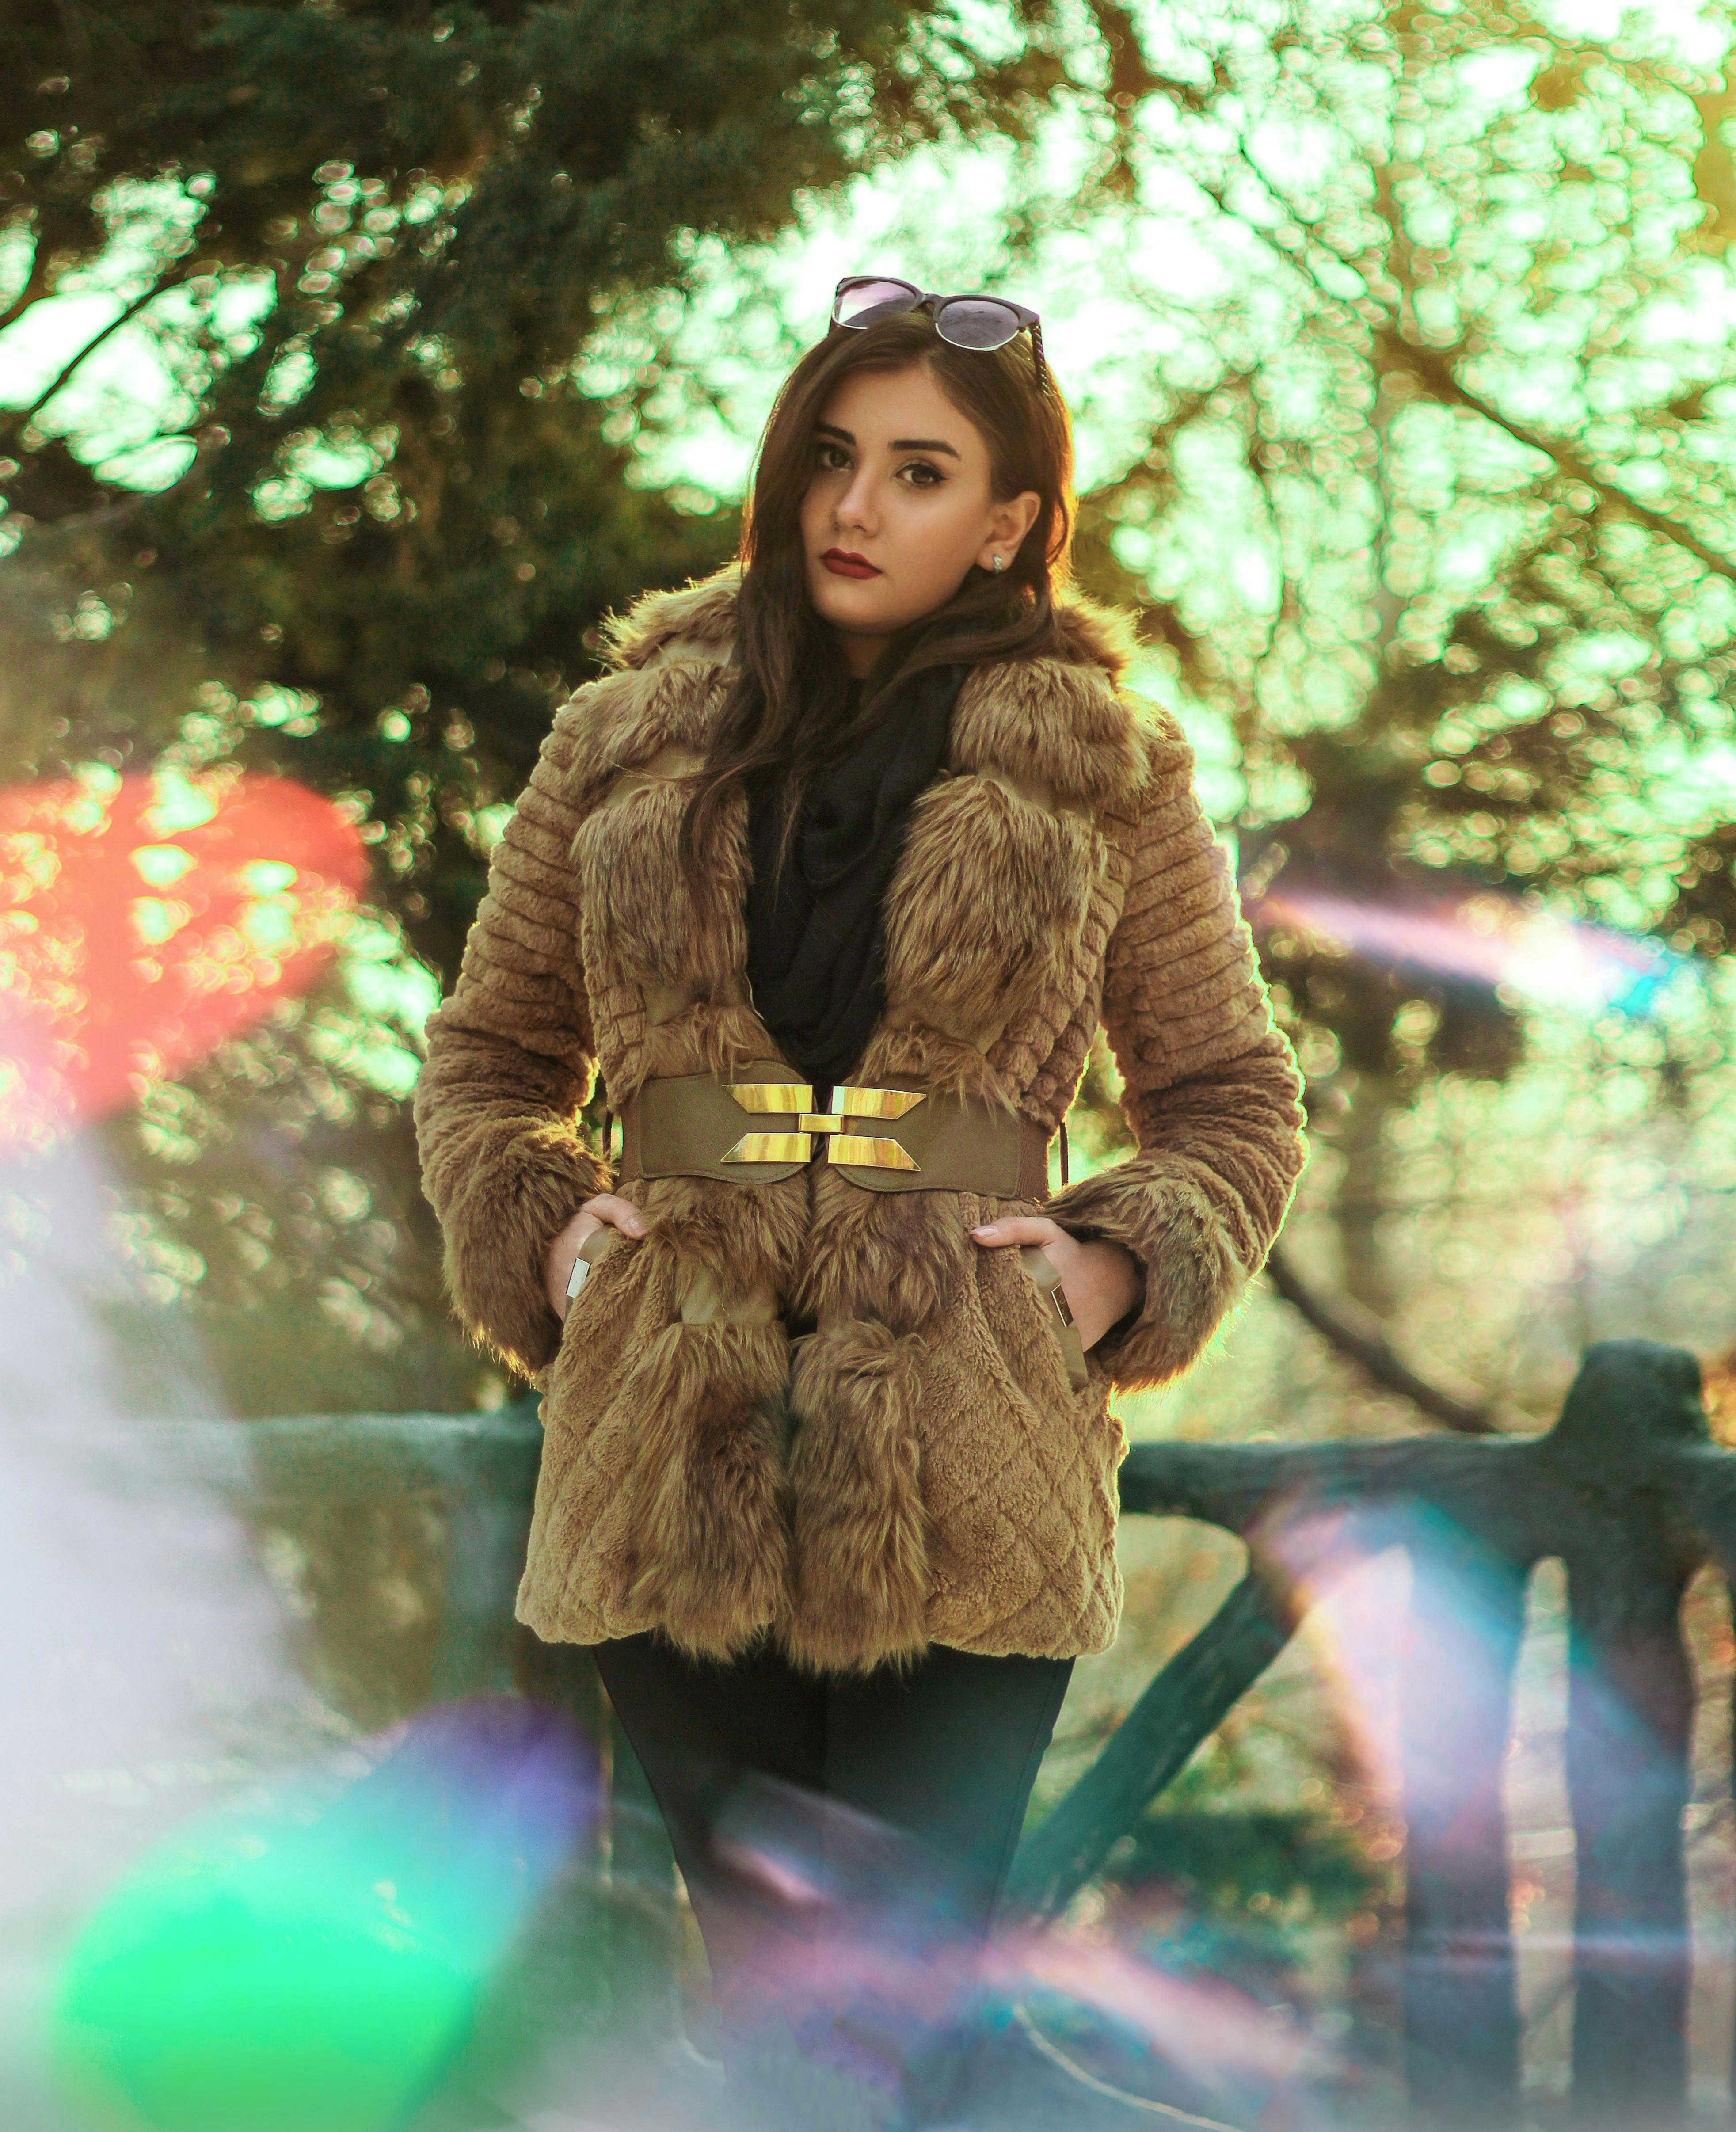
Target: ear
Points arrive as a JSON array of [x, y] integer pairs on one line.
[[1009, 523]]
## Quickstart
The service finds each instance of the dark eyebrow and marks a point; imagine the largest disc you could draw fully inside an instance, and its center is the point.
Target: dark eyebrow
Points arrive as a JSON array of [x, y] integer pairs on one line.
[[899, 443]]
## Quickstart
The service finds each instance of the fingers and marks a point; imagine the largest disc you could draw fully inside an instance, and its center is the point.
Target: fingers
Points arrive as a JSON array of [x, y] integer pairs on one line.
[[607, 1210], [1018, 1229], [618, 1212]]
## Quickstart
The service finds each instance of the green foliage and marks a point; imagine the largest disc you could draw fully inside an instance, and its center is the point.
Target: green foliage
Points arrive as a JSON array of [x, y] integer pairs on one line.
[[1432, 510], [380, 236], [368, 534], [1228, 1864]]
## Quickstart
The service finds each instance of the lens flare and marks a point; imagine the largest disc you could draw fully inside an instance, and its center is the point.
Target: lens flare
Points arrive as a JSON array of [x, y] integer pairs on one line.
[[143, 919], [857, 1959], [315, 1960], [1355, 1633], [1546, 960]]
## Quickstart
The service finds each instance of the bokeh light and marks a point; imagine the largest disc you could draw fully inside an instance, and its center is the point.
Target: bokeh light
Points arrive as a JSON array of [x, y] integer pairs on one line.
[[145, 919], [314, 1961]]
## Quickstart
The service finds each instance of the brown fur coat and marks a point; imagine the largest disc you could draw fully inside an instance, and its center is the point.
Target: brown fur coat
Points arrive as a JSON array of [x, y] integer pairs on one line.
[[919, 1468]]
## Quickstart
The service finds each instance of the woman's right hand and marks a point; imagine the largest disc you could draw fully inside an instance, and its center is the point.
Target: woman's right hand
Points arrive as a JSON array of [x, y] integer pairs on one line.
[[607, 1210]]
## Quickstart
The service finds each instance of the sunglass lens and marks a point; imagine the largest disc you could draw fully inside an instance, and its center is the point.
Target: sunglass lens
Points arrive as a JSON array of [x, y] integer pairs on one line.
[[863, 302], [976, 322]]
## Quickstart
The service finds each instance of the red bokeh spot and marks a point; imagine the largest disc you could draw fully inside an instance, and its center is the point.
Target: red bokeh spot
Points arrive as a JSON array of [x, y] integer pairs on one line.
[[145, 920]]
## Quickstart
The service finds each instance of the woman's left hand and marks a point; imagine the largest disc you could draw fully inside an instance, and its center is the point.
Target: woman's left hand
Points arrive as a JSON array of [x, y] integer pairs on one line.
[[1100, 1281]]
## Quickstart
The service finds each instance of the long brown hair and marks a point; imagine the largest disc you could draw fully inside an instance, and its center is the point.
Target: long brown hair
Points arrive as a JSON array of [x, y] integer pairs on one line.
[[789, 698]]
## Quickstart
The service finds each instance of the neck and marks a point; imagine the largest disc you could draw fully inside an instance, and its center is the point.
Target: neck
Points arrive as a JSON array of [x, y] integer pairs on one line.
[[860, 652]]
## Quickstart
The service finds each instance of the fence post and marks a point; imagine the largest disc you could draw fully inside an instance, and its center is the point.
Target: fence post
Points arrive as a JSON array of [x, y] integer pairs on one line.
[[1461, 2023], [1630, 1705], [1632, 1424]]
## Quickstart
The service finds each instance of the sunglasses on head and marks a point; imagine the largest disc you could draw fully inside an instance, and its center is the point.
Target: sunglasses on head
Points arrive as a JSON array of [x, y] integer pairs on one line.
[[966, 321]]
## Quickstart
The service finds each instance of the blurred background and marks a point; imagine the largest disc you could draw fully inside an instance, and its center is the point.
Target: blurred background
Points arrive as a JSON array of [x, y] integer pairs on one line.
[[357, 357]]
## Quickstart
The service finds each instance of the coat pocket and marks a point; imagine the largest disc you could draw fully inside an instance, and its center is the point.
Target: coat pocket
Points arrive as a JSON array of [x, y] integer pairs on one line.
[[1041, 1270]]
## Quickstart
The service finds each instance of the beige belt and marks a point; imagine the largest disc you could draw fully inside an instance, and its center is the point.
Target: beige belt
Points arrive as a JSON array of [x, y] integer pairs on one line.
[[766, 1126]]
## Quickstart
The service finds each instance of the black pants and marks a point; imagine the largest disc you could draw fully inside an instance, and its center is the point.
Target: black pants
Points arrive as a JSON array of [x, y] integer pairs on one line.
[[904, 1789]]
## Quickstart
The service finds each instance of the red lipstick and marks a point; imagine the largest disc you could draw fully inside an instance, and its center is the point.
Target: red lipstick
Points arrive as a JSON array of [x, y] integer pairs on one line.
[[843, 564]]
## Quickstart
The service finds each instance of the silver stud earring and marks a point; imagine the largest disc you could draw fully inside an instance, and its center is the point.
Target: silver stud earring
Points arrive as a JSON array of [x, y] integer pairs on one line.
[[998, 562]]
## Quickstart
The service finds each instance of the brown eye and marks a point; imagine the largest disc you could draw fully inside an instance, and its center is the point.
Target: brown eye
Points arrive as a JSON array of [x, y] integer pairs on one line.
[[922, 474]]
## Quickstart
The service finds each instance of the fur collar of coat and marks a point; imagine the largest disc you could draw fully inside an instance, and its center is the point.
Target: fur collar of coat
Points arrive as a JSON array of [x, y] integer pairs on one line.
[[984, 914]]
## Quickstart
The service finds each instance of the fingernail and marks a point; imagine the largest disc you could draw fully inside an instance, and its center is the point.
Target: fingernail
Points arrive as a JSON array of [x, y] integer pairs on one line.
[[636, 1228], [985, 1229]]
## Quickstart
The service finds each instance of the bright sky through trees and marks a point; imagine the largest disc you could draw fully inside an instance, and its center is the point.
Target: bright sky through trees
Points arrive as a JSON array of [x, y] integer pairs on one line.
[[937, 215]]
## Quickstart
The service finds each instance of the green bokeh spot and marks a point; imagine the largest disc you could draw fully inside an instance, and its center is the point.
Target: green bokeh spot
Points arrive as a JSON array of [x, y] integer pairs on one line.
[[262, 1986]]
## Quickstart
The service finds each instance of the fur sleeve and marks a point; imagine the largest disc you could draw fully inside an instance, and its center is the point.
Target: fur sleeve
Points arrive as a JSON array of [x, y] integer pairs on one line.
[[1211, 1089], [510, 1061]]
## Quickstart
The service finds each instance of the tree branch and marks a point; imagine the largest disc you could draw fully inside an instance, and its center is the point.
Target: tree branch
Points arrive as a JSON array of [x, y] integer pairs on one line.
[[1357, 1333], [1188, 1700], [1433, 368], [118, 513], [36, 283], [16, 419]]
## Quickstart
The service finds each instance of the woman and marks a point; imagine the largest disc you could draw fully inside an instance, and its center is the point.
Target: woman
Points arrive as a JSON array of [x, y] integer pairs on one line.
[[832, 875]]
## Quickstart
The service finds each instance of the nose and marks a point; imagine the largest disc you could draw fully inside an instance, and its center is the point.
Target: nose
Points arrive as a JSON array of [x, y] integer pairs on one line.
[[856, 507]]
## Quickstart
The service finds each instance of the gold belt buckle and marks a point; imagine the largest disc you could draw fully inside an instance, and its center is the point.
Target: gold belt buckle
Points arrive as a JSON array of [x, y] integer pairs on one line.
[[795, 1099], [772, 1098]]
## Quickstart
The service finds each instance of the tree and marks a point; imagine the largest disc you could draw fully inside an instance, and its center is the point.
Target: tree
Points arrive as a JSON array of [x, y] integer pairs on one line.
[[366, 535], [1430, 521]]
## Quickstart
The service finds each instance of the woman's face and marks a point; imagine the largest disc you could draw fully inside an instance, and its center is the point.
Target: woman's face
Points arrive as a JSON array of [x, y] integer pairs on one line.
[[898, 508]]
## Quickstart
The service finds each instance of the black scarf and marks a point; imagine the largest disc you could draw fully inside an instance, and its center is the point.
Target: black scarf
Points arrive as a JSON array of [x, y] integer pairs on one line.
[[816, 937]]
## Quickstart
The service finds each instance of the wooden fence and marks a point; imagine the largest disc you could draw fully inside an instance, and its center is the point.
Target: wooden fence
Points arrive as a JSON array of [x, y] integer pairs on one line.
[[1627, 1490]]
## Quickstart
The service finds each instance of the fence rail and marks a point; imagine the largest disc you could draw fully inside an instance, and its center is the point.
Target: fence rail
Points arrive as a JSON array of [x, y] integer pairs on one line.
[[1627, 1490]]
